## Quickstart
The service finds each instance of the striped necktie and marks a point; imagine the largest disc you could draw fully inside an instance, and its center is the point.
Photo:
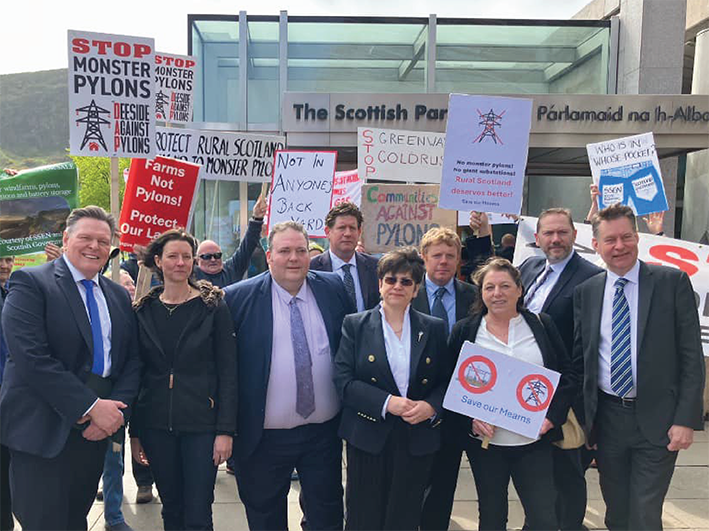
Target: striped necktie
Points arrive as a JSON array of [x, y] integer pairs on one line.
[[621, 365]]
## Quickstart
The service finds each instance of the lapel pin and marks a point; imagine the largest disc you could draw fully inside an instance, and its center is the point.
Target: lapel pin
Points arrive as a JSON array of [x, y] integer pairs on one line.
[[419, 339]]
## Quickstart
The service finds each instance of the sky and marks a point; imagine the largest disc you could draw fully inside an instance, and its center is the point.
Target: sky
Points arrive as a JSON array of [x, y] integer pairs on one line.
[[33, 36]]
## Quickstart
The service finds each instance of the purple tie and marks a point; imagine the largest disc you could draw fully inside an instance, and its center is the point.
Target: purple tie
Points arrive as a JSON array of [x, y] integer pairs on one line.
[[305, 397]]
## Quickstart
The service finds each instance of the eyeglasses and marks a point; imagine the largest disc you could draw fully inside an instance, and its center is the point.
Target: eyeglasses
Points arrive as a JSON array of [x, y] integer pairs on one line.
[[406, 282], [209, 256]]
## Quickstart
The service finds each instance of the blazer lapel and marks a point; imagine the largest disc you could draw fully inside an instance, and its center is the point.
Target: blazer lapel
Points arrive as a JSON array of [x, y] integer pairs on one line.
[[420, 303], [378, 347], [593, 306], [534, 272], [114, 314], [264, 308], [646, 286], [364, 278], [71, 292], [419, 336], [563, 279]]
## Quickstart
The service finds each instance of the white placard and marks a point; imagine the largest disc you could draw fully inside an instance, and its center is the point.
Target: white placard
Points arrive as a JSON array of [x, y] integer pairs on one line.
[[302, 189], [486, 153], [501, 390], [223, 156], [397, 155], [692, 258], [627, 171], [346, 187], [174, 87], [492, 218], [111, 95]]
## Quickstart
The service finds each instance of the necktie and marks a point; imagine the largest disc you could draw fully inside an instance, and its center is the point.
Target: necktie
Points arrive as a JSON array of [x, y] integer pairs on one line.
[[621, 365], [305, 395], [349, 283], [96, 333], [438, 310], [541, 280]]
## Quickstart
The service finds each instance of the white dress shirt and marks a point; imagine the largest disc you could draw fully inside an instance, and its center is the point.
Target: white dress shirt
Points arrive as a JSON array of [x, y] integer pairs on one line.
[[520, 345], [104, 315], [539, 297], [282, 391], [398, 354], [337, 264], [605, 337]]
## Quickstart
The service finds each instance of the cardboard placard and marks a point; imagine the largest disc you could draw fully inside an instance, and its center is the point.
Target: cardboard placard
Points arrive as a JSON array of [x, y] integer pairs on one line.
[[174, 87]]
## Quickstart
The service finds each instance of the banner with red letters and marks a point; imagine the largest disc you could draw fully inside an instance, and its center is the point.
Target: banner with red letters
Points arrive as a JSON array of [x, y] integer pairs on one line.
[[346, 187], [159, 196]]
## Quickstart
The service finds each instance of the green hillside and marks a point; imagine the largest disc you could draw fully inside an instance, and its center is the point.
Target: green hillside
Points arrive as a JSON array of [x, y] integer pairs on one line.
[[34, 122]]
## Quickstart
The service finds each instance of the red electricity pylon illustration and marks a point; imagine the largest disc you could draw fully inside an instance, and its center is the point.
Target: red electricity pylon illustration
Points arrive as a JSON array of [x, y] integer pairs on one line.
[[489, 121]]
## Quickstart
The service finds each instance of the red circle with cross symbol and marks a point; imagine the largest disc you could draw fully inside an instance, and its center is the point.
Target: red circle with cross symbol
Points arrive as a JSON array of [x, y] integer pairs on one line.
[[534, 392], [477, 374]]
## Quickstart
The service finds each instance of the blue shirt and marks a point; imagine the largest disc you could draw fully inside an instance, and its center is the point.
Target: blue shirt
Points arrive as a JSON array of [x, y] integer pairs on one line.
[[448, 299], [337, 264]]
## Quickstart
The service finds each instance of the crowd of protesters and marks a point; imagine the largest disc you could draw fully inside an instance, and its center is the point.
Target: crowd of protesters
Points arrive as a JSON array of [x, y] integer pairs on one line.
[[331, 344]]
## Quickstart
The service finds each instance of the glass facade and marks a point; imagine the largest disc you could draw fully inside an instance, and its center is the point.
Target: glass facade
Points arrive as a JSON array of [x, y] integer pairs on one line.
[[248, 63]]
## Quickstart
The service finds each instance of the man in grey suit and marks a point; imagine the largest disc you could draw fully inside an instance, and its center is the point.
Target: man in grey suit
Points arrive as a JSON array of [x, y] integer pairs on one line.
[[637, 328]]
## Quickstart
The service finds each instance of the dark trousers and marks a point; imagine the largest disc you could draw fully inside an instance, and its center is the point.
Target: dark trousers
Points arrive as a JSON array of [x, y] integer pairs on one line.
[[57, 493], [385, 491], [183, 467], [6, 521], [142, 475], [570, 482], [442, 482], [264, 477], [531, 469], [633, 473]]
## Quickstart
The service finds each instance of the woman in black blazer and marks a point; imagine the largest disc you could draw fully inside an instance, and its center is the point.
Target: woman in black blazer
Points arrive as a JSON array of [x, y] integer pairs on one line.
[[500, 323], [391, 374], [185, 416]]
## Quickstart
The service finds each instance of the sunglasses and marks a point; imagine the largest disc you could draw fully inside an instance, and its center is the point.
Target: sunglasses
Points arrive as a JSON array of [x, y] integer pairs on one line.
[[209, 256], [406, 282]]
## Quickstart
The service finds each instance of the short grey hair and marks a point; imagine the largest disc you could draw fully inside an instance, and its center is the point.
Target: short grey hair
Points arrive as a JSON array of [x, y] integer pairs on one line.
[[284, 226], [91, 212]]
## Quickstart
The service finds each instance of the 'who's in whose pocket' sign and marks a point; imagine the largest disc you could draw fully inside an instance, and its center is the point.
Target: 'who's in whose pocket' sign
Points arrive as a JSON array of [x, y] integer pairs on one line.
[[501, 390]]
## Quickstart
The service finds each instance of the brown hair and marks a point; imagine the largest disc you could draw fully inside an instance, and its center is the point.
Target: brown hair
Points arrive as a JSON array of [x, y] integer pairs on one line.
[[91, 212], [157, 246], [284, 226], [438, 235], [495, 264], [403, 260], [611, 213], [555, 212], [345, 208]]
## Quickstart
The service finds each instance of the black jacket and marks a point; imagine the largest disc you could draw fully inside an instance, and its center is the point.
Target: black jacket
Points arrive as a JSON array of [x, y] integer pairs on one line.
[[197, 391], [555, 358]]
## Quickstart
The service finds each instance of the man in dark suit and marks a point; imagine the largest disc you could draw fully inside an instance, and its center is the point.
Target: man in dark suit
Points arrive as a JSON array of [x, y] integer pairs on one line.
[[6, 521], [288, 324], [549, 284], [343, 227], [637, 328], [444, 296], [72, 370]]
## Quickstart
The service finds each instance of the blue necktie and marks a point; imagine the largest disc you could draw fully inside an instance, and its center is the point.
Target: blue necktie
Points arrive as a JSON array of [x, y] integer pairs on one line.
[[305, 394], [438, 310], [349, 283], [96, 333], [621, 365]]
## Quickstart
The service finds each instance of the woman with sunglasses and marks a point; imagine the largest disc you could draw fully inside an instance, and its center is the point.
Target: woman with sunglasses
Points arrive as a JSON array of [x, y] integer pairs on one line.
[[391, 374], [185, 415]]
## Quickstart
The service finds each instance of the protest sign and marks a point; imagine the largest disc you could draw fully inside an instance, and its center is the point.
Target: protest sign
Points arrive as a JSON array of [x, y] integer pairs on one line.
[[174, 87], [29, 260], [492, 218], [405, 156], [111, 95], [692, 258], [627, 171], [302, 189], [396, 215], [501, 390], [34, 205], [346, 186], [486, 153], [158, 197], [223, 156]]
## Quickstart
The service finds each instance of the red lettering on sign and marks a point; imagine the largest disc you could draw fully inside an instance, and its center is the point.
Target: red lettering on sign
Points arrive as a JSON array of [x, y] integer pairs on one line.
[[665, 252]]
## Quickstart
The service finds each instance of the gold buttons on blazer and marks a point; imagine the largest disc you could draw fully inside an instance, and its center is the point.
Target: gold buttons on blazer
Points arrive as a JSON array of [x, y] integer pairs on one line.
[[424, 381], [374, 380], [371, 358], [428, 361]]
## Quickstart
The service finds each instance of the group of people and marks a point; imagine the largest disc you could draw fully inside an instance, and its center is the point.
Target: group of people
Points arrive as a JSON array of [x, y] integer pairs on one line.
[[277, 370]]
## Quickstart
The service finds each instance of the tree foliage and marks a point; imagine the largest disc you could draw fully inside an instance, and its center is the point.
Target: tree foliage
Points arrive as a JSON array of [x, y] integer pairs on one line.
[[95, 180]]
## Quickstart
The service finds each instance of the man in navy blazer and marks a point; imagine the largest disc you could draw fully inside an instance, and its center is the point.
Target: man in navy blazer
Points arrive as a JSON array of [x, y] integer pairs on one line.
[[72, 371], [288, 324], [343, 227], [549, 284]]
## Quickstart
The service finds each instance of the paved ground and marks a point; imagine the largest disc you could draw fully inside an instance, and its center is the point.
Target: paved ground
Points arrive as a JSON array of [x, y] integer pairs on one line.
[[686, 507]]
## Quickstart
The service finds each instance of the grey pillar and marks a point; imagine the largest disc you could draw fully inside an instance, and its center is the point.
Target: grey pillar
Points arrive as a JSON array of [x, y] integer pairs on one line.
[[695, 218]]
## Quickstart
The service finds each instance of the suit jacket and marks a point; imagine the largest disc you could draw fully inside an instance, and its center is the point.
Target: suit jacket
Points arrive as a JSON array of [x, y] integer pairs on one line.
[[48, 334], [364, 380], [670, 364], [554, 355], [252, 310], [465, 295], [366, 271]]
